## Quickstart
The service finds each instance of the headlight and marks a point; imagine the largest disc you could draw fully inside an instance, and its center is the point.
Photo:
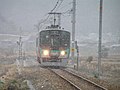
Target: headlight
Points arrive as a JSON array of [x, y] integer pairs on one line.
[[45, 52], [62, 53]]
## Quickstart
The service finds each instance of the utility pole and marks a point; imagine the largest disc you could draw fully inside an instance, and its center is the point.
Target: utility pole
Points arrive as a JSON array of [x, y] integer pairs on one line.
[[73, 28], [118, 36], [20, 57], [24, 57], [20, 47], [100, 38], [77, 48], [20, 43]]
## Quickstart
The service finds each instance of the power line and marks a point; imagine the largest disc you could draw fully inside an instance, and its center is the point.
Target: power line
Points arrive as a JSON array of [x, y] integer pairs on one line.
[[55, 6], [66, 5], [49, 14], [68, 11], [59, 5]]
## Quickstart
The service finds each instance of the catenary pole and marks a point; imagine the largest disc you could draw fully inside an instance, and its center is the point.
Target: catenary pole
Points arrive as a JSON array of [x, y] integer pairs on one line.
[[73, 28], [100, 38]]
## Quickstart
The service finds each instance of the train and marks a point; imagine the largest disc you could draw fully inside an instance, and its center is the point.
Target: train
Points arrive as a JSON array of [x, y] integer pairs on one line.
[[53, 46]]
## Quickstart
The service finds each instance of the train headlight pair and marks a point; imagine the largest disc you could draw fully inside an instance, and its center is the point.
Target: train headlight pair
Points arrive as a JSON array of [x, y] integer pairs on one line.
[[62, 53], [46, 52]]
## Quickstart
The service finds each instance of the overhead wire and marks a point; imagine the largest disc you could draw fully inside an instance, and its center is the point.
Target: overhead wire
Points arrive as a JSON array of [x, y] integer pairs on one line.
[[66, 5], [68, 11], [51, 11], [59, 5], [55, 7]]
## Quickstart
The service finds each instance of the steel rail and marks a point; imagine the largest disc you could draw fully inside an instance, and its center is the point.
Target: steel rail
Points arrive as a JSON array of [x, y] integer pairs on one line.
[[71, 83], [89, 81]]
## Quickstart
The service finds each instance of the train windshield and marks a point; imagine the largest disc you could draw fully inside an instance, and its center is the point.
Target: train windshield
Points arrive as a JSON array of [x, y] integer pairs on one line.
[[44, 38], [65, 39], [55, 40]]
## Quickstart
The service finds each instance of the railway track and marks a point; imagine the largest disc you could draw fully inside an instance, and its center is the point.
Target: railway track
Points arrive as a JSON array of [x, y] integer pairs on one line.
[[79, 82]]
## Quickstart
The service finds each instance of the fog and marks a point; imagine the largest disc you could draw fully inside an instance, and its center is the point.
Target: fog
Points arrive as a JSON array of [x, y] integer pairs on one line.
[[28, 13]]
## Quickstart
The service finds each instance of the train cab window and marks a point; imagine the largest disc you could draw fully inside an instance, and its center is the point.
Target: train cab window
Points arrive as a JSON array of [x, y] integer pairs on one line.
[[44, 38], [65, 39]]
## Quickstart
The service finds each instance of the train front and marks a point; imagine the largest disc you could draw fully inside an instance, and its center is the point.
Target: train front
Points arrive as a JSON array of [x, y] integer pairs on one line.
[[54, 45]]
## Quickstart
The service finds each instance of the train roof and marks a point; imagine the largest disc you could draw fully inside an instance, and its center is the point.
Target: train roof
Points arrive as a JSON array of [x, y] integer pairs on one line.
[[54, 28]]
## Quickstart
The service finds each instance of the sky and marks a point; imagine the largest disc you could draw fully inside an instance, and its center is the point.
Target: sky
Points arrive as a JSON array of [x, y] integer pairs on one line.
[[27, 13]]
